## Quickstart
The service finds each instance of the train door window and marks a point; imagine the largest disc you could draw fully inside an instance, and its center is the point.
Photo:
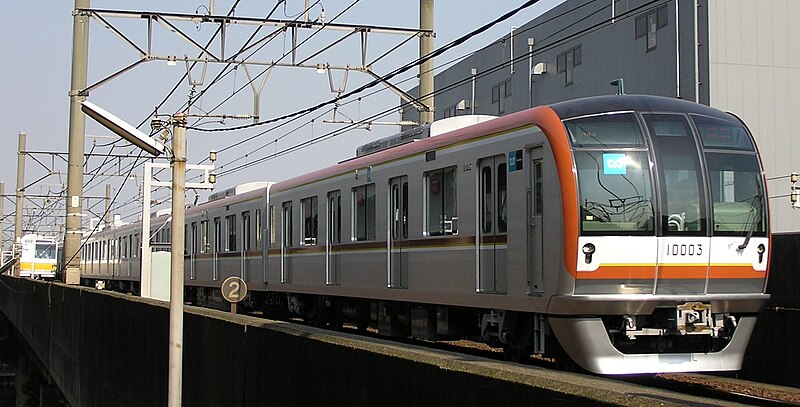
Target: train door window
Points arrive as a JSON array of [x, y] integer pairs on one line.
[[217, 235], [272, 231], [230, 227], [194, 238], [683, 207], [309, 208], [186, 241], [486, 199], [404, 198], [246, 231], [204, 245], [440, 202], [502, 188], [136, 245], [287, 224], [400, 206], [364, 213], [335, 217], [258, 229]]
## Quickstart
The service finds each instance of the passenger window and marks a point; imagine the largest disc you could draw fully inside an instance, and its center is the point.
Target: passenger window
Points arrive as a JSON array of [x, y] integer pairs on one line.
[[230, 223], [364, 213], [309, 208], [440, 202]]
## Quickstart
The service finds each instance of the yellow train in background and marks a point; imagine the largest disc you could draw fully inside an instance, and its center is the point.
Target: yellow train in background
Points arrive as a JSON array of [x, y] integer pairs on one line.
[[38, 257]]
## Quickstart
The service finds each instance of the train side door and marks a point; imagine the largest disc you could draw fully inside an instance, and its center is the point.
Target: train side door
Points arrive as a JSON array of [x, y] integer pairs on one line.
[[535, 219], [286, 243], [334, 238], [492, 225], [398, 233], [217, 247]]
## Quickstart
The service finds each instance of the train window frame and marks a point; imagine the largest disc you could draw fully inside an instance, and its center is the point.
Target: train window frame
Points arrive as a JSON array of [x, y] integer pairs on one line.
[[246, 229], [677, 180], [136, 245], [447, 223], [217, 231], [287, 224], [702, 123], [205, 244], [231, 241], [186, 241], [365, 217], [272, 227], [194, 237], [310, 226], [571, 124], [258, 229]]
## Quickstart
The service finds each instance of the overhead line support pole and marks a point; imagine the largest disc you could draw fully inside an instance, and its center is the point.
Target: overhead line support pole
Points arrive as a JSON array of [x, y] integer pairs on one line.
[[426, 68], [176, 259], [20, 193], [77, 134]]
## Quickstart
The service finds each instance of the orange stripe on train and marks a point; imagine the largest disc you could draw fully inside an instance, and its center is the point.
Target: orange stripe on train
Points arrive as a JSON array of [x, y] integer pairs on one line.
[[670, 272]]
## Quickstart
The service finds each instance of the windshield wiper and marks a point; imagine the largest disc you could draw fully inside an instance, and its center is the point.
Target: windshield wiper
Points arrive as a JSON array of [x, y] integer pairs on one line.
[[756, 218]]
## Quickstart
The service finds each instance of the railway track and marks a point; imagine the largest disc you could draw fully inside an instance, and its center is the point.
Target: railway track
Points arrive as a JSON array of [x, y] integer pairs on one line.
[[714, 387]]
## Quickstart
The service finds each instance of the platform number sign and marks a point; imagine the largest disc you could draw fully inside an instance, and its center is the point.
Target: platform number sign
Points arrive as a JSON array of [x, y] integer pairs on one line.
[[234, 289]]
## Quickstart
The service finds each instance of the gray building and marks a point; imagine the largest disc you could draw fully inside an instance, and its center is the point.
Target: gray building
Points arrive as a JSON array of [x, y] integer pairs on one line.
[[735, 55]]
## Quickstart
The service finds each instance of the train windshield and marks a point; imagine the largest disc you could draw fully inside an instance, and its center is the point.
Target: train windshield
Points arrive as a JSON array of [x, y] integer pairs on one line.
[[613, 175], [683, 207], [45, 250], [737, 190]]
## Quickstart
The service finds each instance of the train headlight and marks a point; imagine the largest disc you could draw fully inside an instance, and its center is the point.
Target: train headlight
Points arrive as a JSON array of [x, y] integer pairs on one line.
[[760, 250], [588, 250]]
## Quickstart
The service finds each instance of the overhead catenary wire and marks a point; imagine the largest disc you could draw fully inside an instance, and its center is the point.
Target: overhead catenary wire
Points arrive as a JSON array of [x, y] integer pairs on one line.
[[340, 131], [464, 80]]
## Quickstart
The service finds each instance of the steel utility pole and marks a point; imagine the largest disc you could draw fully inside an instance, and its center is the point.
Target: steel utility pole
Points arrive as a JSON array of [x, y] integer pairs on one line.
[[426, 68], [176, 259], [20, 190], [77, 133]]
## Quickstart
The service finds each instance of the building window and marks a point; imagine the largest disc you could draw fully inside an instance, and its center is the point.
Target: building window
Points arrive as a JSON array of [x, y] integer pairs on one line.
[[364, 213], [499, 94], [647, 24], [309, 208], [440, 202], [566, 61]]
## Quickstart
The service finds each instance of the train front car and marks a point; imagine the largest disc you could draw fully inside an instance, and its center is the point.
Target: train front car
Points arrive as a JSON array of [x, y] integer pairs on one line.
[[666, 244], [39, 257]]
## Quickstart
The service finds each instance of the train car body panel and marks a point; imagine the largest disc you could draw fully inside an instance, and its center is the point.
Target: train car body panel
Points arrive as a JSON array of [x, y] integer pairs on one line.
[[626, 233]]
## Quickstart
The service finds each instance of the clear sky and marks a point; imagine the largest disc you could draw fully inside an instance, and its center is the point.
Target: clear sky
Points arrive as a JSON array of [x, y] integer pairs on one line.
[[36, 42]]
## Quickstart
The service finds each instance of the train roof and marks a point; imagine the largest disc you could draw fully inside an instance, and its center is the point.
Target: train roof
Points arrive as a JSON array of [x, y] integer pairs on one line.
[[641, 103], [562, 110]]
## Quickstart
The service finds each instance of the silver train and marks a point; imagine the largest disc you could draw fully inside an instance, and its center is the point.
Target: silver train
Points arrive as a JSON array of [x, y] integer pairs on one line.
[[626, 234]]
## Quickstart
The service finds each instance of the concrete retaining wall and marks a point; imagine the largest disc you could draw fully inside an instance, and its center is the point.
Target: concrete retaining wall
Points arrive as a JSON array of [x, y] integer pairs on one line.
[[104, 349]]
